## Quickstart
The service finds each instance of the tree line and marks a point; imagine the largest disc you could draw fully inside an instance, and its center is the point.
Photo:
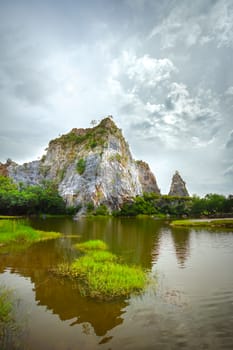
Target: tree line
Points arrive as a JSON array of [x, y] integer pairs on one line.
[[20, 199], [212, 205]]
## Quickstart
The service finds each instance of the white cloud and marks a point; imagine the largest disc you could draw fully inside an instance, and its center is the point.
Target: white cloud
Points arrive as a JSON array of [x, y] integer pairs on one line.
[[152, 108], [143, 70], [153, 105], [222, 21], [184, 27]]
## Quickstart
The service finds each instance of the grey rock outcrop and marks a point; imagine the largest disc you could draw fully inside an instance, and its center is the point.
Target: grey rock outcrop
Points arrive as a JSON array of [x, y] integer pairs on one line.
[[147, 178], [27, 173], [90, 165], [178, 187]]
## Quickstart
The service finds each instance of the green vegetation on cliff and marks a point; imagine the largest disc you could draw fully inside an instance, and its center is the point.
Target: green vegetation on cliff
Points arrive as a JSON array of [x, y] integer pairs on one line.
[[81, 166], [90, 138]]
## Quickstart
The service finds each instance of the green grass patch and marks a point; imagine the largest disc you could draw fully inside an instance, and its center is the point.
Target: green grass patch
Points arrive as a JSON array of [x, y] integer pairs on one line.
[[101, 256], [16, 231], [92, 245], [10, 217], [227, 223], [102, 276]]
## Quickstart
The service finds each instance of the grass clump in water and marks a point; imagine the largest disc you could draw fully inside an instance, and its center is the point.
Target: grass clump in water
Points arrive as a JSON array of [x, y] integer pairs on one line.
[[11, 330], [7, 319], [5, 307], [92, 245], [113, 280], [227, 223], [103, 277], [15, 231]]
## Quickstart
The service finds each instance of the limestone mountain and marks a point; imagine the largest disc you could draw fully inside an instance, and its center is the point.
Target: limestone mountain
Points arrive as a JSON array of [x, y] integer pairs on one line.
[[92, 165], [178, 187]]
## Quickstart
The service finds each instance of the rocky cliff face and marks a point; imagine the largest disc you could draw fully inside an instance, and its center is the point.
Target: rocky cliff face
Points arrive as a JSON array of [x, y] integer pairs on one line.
[[178, 187], [90, 165], [147, 178]]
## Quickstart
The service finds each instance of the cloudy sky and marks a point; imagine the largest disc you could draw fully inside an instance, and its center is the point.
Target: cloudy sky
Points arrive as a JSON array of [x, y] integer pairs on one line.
[[163, 69]]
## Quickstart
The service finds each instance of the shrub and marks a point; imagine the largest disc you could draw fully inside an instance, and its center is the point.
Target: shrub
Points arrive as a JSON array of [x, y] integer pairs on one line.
[[93, 144], [22, 199], [101, 210], [90, 207], [81, 166]]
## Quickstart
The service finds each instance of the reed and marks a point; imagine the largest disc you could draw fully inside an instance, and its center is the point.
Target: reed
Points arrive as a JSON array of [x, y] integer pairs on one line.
[[5, 307]]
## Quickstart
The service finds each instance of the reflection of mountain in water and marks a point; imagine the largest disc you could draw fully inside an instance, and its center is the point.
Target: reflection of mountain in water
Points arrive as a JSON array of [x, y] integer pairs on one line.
[[156, 247], [128, 237], [61, 296], [64, 299], [181, 240], [133, 240]]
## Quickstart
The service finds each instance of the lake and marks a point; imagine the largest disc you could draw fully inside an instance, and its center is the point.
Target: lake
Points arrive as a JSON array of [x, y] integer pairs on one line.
[[188, 305]]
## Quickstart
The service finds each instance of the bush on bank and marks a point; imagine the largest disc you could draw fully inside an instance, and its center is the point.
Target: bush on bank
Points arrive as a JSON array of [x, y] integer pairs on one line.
[[27, 200]]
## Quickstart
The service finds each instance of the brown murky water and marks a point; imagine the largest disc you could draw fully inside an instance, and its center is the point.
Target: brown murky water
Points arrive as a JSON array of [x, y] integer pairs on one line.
[[191, 306]]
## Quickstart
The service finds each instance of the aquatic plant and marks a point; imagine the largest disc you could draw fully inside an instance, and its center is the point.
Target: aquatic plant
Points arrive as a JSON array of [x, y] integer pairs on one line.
[[101, 275], [92, 245], [228, 223], [8, 326], [12, 328], [112, 280], [5, 307], [17, 231]]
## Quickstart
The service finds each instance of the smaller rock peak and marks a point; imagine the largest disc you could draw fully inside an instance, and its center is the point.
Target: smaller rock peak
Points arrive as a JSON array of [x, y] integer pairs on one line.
[[178, 187]]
